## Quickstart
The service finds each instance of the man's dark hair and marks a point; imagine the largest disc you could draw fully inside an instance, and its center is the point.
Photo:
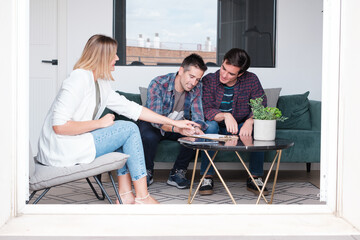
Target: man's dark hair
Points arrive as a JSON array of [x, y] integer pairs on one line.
[[238, 58], [194, 60]]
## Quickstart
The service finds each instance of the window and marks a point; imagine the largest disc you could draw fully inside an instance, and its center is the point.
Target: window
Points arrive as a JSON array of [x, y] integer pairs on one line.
[[250, 25], [162, 32]]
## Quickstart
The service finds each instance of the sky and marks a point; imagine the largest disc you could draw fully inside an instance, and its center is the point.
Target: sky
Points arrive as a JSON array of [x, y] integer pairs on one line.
[[186, 21]]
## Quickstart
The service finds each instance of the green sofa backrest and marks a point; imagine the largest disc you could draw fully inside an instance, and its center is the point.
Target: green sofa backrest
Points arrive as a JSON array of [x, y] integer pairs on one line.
[[132, 97], [315, 110]]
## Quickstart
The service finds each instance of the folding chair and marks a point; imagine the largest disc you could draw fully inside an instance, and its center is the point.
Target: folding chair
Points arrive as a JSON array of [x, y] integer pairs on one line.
[[43, 177]]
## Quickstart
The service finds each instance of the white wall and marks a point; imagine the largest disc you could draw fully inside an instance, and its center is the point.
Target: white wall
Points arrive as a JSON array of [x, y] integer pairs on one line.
[[84, 19], [298, 46]]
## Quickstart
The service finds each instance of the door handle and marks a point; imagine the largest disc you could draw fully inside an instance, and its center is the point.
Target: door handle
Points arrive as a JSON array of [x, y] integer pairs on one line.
[[53, 62]]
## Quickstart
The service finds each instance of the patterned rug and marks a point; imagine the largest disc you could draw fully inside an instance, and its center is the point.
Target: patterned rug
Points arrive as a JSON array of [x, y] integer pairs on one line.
[[79, 192]]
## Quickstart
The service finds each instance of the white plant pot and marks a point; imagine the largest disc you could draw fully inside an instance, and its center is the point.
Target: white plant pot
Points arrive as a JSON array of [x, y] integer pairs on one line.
[[264, 129]]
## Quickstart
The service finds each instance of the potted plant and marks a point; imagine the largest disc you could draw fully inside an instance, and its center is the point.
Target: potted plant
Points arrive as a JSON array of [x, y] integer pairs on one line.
[[265, 119]]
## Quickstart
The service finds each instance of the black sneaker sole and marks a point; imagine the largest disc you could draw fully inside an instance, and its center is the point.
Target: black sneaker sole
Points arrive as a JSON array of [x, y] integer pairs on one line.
[[206, 192], [256, 192], [172, 183], [150, 182]]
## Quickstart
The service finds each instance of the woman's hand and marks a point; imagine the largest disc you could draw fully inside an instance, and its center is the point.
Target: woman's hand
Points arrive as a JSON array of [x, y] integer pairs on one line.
[[186, 127], [186, 124], [107, 120]]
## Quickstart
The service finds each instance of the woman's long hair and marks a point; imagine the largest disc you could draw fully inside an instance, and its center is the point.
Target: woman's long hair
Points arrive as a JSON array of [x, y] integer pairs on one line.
[[97, 55]]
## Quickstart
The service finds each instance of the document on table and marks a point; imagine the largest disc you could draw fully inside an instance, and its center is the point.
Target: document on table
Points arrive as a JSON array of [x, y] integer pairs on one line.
[[195, 141], [216, 137]]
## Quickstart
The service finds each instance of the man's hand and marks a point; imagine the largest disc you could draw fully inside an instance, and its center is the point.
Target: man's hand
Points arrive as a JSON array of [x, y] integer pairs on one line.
[[247, 127], [247, 140], [198, 131], [189, 132], [231, 142], [184, 131], [230, 123]]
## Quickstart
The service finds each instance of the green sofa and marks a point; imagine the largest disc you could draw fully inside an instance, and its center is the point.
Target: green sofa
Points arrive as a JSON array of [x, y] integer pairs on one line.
[[303, 127]]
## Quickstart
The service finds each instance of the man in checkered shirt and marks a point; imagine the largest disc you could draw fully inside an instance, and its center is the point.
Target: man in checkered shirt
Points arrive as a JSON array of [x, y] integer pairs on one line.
[[177, 96], [226, 96]]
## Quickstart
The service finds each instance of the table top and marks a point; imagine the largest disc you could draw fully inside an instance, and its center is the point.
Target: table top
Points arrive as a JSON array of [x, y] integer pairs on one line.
[[246, 144]]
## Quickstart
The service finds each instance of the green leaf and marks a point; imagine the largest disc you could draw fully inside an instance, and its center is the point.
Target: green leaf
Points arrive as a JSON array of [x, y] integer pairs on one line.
[[265, 113]]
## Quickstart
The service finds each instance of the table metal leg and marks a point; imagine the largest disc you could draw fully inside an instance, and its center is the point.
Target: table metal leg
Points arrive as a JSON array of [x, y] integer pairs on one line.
[[276, 175], [267, 176], [221, 179], [201, 180], [193, 174], [252, 178], [211, 160]]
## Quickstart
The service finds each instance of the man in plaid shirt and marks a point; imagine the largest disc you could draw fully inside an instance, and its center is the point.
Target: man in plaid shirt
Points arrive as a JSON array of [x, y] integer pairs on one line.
[[177, 96], [226, 96]]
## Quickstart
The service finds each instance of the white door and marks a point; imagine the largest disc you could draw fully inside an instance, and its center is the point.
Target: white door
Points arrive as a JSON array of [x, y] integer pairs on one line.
[[43, 76]]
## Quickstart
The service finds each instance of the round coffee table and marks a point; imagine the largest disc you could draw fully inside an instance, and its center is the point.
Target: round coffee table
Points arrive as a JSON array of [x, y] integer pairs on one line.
[[245, 144]]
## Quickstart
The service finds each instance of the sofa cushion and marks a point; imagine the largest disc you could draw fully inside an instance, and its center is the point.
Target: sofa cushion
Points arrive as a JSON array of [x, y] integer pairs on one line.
[[272, 95], [296, 108], [131, 96], [143, 95]]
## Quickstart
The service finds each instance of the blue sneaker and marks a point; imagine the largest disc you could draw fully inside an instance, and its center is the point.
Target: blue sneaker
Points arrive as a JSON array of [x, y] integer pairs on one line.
[[178, 179], [149, 177]]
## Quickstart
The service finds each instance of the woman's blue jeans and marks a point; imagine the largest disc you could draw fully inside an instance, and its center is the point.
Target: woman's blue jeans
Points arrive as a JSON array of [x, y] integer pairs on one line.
[[256, 163], [122, 136]]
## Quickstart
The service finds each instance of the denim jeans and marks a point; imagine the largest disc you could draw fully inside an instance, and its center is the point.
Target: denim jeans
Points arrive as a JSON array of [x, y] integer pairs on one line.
[[124, 137], [256, 158], [151, 137]]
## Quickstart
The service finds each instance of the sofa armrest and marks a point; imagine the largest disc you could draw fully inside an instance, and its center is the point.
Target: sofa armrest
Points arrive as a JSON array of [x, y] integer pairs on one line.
[[315, 112]]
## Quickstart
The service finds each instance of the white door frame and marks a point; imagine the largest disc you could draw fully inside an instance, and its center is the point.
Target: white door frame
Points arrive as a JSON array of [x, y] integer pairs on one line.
[[62, 42]]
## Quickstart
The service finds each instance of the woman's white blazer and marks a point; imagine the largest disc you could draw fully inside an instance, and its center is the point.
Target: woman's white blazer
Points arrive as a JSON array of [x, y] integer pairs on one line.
[[76, 102]]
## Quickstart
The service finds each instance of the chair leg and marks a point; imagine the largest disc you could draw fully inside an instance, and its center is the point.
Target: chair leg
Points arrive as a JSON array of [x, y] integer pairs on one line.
[[39, 197], [103, 189], [115, 188], [308, 167], [31, 196], [94, 191]]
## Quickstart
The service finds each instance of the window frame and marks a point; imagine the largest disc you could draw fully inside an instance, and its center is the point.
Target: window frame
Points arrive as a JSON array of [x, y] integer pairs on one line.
[[119, 33]]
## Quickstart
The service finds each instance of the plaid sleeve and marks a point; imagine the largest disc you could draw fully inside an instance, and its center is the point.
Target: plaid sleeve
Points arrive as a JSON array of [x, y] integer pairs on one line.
[[209, 97], [154, 99], [197, 108]]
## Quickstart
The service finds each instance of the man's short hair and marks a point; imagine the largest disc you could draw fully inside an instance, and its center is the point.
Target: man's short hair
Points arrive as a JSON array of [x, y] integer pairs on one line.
[[194, 60], [238, 58]]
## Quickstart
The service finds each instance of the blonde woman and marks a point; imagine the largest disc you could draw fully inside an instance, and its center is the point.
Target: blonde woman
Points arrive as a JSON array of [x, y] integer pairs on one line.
[[74, 133]]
